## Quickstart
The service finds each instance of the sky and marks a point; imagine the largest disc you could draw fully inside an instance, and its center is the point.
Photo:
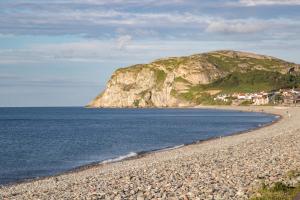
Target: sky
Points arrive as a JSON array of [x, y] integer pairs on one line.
[[62, 52]]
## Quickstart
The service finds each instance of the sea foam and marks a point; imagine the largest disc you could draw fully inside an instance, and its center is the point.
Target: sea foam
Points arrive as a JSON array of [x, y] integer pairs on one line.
[[129, 155]]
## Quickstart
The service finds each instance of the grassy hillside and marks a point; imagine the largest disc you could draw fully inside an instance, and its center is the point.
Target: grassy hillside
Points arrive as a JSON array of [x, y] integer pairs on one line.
[[257, 80], [243, 63], [280, 190], [253, 81]]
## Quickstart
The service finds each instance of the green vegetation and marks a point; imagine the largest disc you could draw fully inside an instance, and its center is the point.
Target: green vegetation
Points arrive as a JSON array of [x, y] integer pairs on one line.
[[180, 79], [279, 191], [136, 103], [174, 93], [198, 96], [160, 77], [278, 98], [133, 69], [205, 99], [224, 63], [128, 87], [197, 88], [229, 64], [253, 81], [143, 93], [266, 63], [191, 95], [246, 103], [171, 63], [293, 174]]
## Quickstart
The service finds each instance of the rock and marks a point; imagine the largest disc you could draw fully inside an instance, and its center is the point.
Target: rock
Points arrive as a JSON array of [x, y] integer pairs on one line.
[[240, 192], [161, 83], [140, 196]]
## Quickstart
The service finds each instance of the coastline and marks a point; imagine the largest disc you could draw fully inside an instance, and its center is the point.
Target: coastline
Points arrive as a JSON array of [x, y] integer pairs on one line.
[[106, 169], [137, 155]]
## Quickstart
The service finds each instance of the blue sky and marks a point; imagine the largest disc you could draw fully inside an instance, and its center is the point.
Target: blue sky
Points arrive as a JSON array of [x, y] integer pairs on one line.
[[62, 52]]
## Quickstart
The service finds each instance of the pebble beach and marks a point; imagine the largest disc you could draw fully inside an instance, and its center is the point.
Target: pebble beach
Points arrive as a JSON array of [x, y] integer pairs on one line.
[[231, 167]]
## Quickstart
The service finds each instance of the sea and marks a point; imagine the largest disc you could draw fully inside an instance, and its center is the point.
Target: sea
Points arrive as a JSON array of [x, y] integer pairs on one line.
[[38, 142]]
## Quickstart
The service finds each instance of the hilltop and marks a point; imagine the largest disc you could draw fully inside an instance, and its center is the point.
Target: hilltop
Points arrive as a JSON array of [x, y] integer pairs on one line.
[[196, 79]]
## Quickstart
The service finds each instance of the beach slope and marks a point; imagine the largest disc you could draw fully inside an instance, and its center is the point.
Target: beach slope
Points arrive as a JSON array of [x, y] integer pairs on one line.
[[228, 168]]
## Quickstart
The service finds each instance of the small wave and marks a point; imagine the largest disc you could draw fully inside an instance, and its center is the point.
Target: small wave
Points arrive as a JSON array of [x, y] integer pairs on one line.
[[131, 154], [175, 147], [168, 148]]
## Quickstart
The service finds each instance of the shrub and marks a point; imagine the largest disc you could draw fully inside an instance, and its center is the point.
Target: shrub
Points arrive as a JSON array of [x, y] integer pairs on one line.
[[279, 191], [160, 76]]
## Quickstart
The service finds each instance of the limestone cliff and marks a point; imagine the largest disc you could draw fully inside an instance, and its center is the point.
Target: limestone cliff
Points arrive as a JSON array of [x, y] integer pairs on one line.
[[183, 81]]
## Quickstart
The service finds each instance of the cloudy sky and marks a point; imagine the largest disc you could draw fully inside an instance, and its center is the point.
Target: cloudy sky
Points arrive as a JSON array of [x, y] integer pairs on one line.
[[62, 52]]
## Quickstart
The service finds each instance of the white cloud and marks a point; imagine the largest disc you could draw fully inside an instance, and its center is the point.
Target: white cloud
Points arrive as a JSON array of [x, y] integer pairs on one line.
[[273, 27], [99, 51], [106, 53], [123, 41], [236, 26], [106, 23], [268, 2], [126, 2]]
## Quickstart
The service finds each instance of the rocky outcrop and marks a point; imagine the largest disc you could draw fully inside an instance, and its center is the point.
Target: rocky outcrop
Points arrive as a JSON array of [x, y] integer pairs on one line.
[[164, 82]]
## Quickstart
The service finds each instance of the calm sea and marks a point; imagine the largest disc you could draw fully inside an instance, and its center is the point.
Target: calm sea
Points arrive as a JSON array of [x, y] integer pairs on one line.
[[36, 142]]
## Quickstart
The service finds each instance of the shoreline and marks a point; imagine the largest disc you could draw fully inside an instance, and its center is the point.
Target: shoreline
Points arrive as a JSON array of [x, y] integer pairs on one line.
[[141, 154], [143, 158]]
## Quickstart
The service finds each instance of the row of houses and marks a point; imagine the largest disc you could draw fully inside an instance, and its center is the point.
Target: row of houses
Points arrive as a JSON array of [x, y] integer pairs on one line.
[[291, 96], [283, 96]]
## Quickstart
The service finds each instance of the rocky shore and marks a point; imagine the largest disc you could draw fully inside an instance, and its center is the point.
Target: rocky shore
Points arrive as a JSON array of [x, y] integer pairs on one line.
[[228, 168]]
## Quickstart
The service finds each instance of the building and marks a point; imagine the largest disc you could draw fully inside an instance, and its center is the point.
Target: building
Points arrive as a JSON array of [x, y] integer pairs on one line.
[[291, 96], [222, 97], [261, 99], [285, 96]]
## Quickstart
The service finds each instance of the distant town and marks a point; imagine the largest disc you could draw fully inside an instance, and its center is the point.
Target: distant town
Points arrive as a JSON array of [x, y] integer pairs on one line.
[[282, 96]]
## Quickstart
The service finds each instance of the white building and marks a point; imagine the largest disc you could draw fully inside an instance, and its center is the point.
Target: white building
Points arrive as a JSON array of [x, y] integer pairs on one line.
[[222, 97], [261, 99]]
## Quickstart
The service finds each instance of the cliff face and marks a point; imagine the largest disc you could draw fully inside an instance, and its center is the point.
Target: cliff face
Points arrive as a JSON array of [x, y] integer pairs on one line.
[[178, 81]]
